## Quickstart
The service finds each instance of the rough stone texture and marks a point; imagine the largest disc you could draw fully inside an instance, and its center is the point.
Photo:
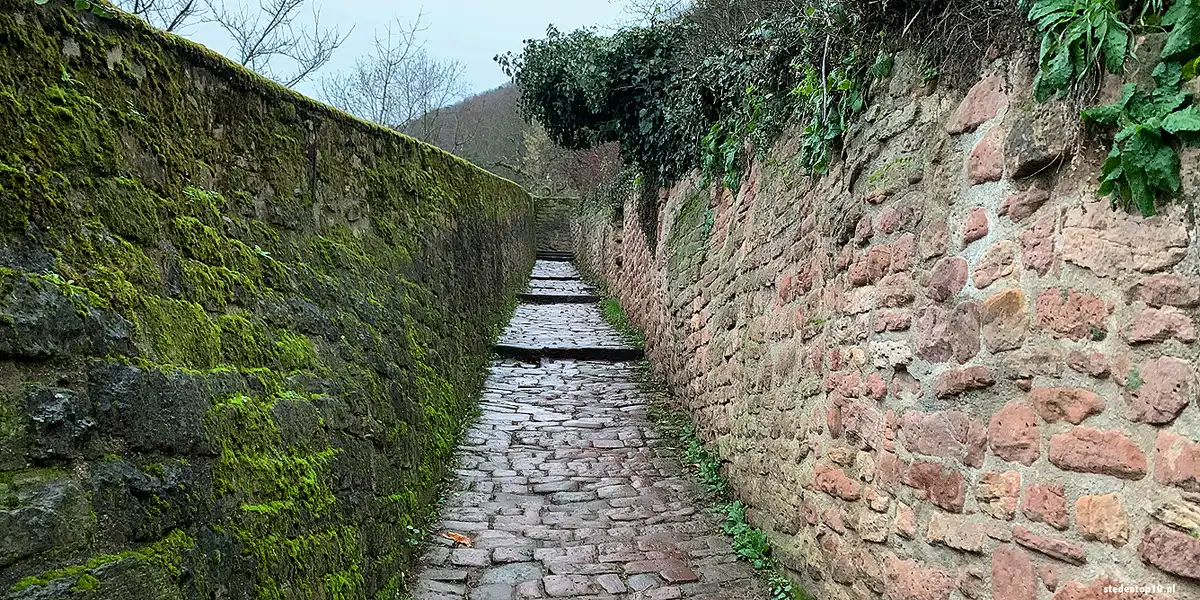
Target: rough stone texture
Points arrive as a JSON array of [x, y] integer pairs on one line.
[[1013, 434], [957, 381], [981, 104], [999, 493], [1088, 450], [1070, 314], [984, 164], [1053, 547], [1012, 574], [1172, 551], [1046, 503], [998, 262], [1102, 518], [1005, 320], [752, 364], [1162, 389], [1020, 206], [946, 279], [239, 330], [1177, 461], [1066, 404]]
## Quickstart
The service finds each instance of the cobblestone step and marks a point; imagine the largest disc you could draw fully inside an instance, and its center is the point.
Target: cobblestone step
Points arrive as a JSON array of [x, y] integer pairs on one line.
[[559, 298], [564, 488]]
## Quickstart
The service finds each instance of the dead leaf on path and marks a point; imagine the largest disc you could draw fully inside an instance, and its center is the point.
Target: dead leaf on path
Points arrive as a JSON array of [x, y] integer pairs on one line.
[[458, 539]]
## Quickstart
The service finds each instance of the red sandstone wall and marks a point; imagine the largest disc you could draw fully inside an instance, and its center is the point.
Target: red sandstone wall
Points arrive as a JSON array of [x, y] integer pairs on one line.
[[946, 369]]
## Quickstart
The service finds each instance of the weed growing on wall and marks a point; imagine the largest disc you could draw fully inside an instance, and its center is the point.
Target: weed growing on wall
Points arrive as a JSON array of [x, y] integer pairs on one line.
[[1152, 122]]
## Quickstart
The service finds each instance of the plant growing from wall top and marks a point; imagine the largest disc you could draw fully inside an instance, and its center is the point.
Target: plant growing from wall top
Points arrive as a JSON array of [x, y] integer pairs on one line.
[[1152, 122]]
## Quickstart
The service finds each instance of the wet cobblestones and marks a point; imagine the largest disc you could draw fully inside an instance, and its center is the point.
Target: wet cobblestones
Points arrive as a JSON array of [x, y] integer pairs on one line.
[[566, 491]]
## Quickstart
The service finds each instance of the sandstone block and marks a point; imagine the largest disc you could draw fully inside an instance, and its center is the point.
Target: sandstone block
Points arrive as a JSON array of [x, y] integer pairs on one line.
[[1066, 404], [1102, 518], [1087, 450], [1046, 503], [1013, 434]]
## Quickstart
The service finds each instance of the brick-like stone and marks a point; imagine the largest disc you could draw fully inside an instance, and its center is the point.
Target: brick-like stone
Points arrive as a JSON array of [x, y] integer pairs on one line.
[[1102, 518], [1159, 325], [1047, 503], [981, 104], [943, 334], [997, 263], [1004, 320], [1089, 363], [1021, 205], [1013, 433], [1065, 404], [957, 381], [947, 434], [945, 486], [986, 161], [1160, 389], [913, 580], [1177, 461], [946, 278], [872, 266], [1012, 574], [1069, 314], [833, 481], [1111, 242], [998, 494], [956, 532], [1172, 551], [1087, 450], [976, 225], [1166, 289], [1054, 547], [1037, 244]]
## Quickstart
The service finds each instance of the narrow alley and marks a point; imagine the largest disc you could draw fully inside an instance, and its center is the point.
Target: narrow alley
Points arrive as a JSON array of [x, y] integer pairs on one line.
[[563, 488]]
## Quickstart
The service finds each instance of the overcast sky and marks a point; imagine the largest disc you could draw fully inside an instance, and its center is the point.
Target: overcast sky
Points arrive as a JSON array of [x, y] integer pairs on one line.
[[469, 31]]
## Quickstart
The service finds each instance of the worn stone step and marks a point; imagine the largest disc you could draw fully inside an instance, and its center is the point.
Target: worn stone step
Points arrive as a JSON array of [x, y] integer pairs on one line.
[[609, 354], [556, 256], [559, 298]]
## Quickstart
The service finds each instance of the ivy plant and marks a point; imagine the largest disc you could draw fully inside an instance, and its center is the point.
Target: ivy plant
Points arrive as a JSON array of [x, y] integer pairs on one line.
[[1143, 163], [1076, 34]]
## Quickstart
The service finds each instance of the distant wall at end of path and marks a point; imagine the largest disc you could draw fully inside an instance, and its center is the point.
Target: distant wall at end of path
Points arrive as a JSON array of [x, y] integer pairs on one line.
[[554, 217], [947, 369], [239, 331]]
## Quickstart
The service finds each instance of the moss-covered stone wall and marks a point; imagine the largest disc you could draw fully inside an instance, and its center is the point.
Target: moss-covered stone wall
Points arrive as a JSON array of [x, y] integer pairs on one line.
[[554, 216], [239, 331]]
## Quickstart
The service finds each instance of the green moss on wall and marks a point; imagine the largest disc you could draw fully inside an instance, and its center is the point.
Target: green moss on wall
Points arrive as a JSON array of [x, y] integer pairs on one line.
[[332, 319]]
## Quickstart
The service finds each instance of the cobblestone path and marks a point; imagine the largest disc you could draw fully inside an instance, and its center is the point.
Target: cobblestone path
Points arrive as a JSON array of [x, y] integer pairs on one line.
[[564, 487]]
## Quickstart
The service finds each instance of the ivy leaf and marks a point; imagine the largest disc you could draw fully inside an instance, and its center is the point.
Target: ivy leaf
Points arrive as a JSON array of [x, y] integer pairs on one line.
[[41, 2], [1187, 119]]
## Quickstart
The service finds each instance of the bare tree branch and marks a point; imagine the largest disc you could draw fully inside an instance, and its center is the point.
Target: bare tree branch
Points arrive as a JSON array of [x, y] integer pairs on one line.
[[398, 85], [264, 36], [168, 15]]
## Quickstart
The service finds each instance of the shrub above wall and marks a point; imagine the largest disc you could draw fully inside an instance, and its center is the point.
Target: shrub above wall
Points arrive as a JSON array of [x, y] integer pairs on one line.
[[239, 331]]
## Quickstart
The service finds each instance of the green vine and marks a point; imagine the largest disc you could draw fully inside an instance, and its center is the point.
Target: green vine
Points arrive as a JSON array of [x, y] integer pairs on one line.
[[96, 7]]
